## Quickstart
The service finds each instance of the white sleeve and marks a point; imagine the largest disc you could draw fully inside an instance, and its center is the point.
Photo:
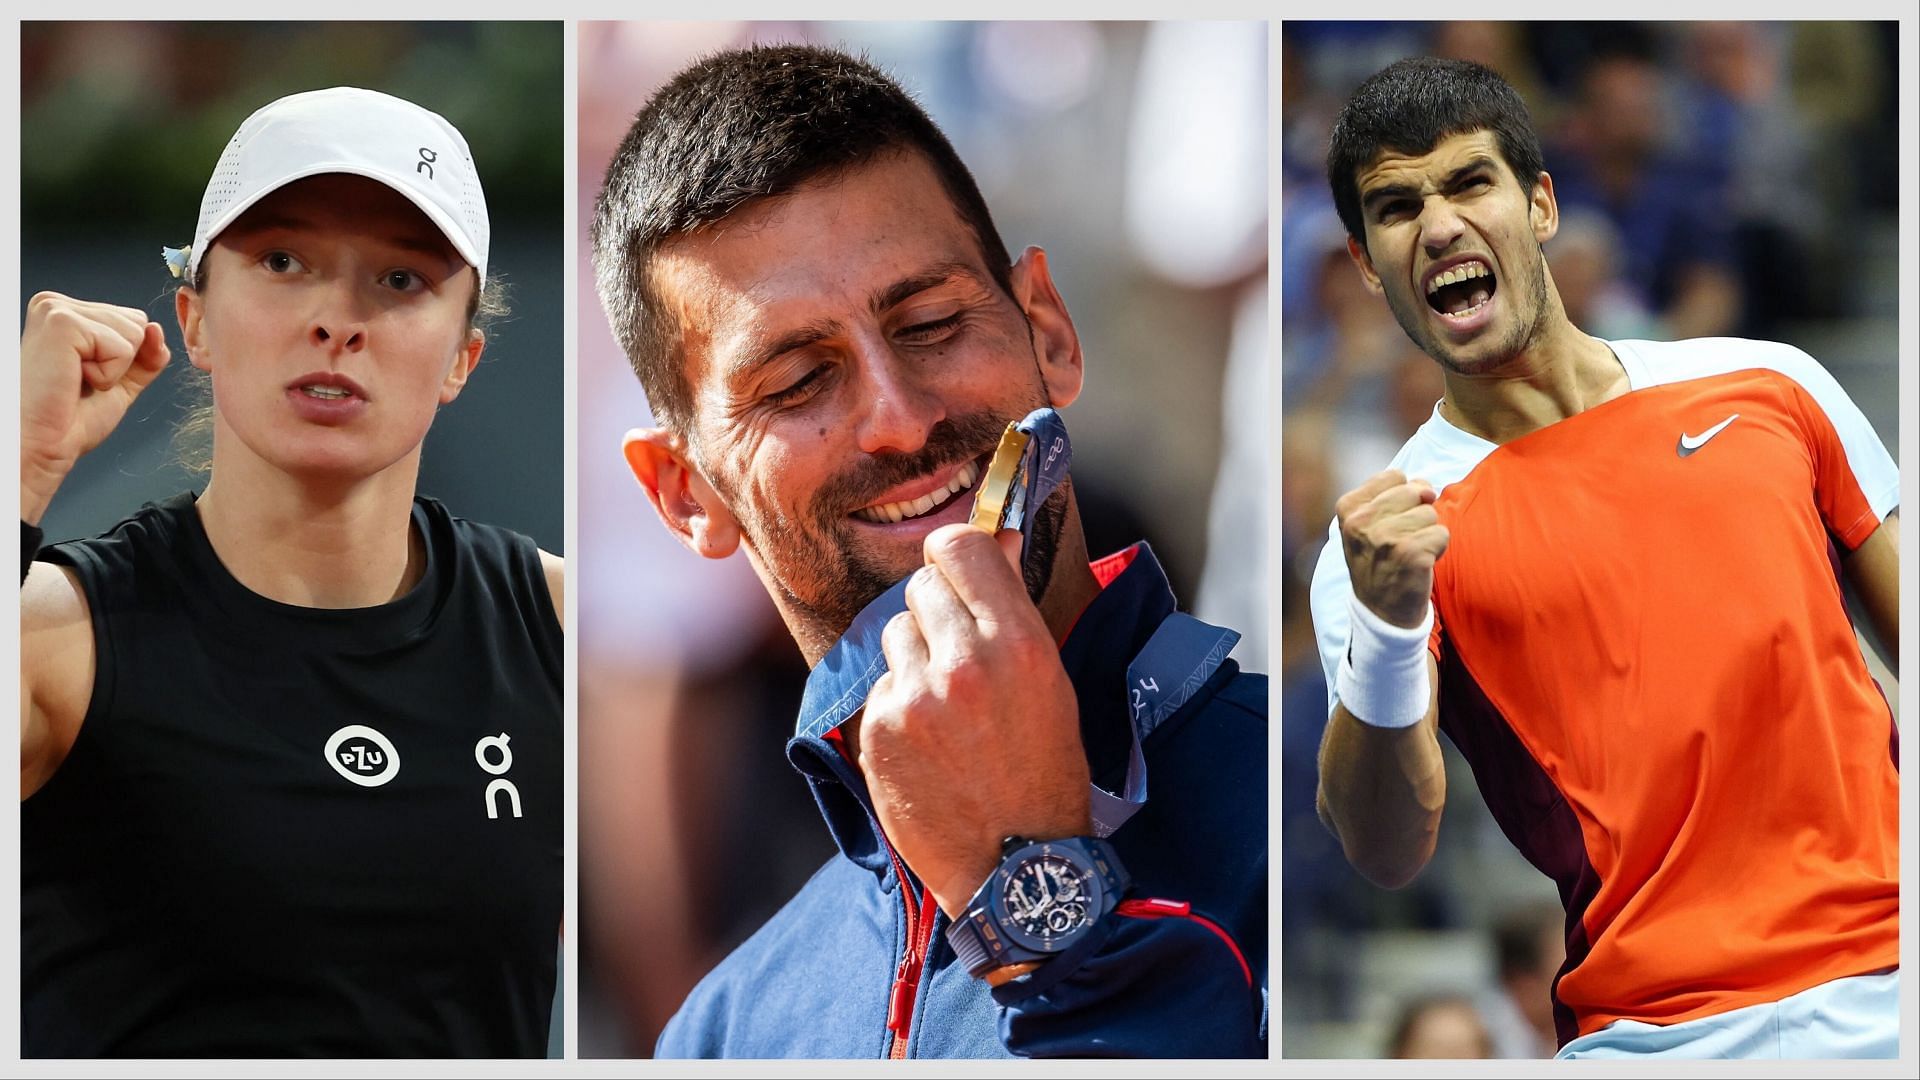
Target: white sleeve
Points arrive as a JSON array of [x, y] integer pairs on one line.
[[1873, 467], [1441, 460], [1328, 596]]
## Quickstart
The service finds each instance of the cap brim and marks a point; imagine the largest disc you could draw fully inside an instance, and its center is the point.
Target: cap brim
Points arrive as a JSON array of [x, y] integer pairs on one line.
[[441, 220]]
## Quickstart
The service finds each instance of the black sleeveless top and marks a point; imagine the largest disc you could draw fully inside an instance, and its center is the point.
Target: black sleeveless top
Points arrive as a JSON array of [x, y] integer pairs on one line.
[[296, 831]]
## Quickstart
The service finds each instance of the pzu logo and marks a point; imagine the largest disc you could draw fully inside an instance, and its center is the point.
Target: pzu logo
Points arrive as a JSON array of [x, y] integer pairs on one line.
[[498, 769], [425, 164], [362, 755]]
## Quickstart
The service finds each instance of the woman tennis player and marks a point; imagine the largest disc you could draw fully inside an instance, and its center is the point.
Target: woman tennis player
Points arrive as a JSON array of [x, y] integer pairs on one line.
[[290, 752]]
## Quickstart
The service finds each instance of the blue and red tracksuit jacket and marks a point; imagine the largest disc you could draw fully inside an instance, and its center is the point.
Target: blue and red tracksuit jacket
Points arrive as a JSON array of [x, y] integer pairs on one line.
[[857, 964]]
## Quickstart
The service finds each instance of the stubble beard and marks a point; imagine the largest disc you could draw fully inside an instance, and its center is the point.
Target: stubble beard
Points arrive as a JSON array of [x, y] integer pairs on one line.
[[839, 575], [1043, 542], [1521, 335]]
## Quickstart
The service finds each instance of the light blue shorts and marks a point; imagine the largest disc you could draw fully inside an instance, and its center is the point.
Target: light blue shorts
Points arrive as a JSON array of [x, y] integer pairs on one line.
[[1856, 1017]]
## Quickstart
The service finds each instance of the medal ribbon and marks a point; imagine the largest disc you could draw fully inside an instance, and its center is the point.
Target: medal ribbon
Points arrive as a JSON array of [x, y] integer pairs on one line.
[[1182, 653]]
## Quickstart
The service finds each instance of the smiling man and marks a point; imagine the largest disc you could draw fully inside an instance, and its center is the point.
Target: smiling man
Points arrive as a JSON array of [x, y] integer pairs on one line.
[[833, 338], [1603, 569]]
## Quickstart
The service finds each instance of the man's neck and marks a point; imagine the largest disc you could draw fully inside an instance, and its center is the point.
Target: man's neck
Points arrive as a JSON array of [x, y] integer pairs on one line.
[[1072, 586], [1562, 373], [340, 544]]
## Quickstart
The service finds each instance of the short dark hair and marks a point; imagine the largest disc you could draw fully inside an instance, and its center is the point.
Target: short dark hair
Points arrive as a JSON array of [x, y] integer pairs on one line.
[[1409, 106], [738, 126]]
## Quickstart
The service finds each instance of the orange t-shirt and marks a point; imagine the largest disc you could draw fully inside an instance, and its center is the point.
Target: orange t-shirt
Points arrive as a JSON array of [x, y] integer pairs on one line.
[[1646, 658]]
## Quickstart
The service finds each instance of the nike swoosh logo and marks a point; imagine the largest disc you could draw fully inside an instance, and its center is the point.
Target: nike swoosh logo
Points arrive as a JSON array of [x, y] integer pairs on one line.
[[1690, 443]]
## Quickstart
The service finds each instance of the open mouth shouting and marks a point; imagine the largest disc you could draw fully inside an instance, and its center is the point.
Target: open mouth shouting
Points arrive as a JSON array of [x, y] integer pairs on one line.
[[1460, 291], [935, 497]]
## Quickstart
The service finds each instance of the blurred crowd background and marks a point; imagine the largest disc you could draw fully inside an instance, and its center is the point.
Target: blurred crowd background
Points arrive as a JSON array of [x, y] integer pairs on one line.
[[120, 127], [1714, 179], [1136, 155]]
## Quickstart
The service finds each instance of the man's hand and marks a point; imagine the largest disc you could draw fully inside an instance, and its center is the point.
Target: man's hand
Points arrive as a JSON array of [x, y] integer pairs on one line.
[[973, 734], [1392, 537], [81, 365]]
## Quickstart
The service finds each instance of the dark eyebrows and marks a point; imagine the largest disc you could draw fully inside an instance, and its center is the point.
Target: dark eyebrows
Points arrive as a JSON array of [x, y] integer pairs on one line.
[[1453, 182], [1385, 192], [1460, 175], [904, 289], [883, 298], [755, 358]]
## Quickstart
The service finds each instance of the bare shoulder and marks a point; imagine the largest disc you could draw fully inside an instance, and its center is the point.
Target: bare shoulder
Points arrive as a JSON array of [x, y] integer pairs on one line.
[[556, 570], [52, 602], [56, 670]]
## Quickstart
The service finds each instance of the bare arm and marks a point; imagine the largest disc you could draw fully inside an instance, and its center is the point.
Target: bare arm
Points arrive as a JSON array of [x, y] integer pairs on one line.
[[1873, 570], [1382, 785], [556, 568], [56, 671], [82, 363], [1382, 790]]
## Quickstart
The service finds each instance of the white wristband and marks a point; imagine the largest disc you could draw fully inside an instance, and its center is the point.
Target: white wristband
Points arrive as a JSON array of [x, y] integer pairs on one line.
[[1383, 676]]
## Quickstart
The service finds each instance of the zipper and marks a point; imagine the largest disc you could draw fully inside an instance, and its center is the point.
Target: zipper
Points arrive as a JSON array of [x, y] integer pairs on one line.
[[906, 977]]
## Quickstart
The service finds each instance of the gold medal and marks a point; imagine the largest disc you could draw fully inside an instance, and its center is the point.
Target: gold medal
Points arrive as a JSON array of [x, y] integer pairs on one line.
[[996, 491]]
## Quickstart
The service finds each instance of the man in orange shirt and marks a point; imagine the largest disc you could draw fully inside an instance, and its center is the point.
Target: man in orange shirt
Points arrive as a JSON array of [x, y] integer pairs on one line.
[[1604, 568]]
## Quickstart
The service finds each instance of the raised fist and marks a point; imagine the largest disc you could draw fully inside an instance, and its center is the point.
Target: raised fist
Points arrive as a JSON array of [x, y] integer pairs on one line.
[[81, 365], [1392, 536]]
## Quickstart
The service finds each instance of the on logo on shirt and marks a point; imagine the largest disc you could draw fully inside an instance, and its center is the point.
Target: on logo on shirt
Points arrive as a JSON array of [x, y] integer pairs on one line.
[[498, 769]]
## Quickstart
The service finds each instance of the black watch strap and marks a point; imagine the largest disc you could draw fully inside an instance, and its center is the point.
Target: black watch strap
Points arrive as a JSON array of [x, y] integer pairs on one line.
[[30, 538]]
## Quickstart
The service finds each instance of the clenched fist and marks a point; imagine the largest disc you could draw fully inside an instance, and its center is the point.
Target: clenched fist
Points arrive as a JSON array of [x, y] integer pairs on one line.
[[81, 365], [1392, 537], [973, 734]]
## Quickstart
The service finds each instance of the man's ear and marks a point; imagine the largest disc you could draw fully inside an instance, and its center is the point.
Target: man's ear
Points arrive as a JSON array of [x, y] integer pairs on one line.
[[464, 362], [688, 506], [1363, 262], [1056, 344], [189, 311], [1545, 211]]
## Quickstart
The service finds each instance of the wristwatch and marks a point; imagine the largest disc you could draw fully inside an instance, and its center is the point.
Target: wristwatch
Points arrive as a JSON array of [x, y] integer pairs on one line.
[[1043, 898]]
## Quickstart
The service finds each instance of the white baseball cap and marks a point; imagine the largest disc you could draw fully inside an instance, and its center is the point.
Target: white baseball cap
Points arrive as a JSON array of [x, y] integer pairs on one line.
[[349, 130]]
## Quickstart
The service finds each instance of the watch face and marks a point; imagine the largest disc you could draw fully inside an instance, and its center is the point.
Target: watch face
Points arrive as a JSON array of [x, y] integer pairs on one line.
[[1047, 900]]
